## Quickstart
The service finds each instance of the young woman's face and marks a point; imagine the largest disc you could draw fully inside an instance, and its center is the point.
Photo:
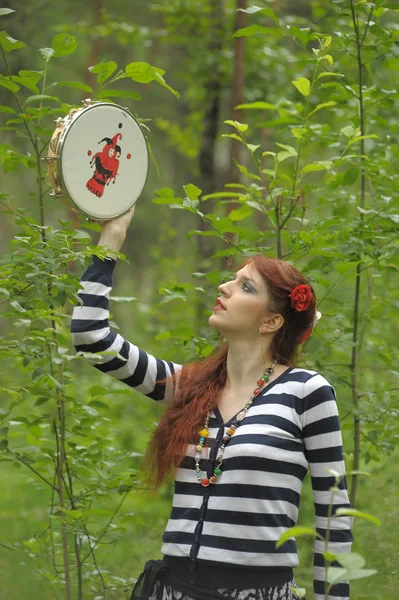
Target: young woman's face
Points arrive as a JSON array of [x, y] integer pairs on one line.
[[242, 305]]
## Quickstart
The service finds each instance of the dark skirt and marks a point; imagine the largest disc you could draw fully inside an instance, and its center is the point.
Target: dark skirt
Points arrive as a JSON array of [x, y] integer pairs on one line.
[[156, 583]]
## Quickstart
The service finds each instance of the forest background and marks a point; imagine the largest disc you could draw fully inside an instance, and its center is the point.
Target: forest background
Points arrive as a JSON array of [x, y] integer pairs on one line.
[[273, 128]]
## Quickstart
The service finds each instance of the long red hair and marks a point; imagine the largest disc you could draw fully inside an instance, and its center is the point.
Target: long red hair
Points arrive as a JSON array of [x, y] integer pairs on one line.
[[199, 384]]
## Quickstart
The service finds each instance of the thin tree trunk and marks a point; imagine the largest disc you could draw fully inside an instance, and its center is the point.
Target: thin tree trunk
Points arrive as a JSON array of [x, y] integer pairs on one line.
[[356, 309], [238, 83]]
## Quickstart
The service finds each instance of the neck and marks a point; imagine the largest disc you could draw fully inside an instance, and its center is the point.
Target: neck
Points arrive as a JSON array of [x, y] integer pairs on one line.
[[246, 363]]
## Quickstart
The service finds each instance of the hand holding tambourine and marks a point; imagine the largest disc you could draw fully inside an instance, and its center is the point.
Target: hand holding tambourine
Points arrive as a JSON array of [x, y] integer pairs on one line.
[[98, 158]]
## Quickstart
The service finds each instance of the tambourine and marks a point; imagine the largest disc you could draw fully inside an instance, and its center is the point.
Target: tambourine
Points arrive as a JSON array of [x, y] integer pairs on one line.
[[98, 158]]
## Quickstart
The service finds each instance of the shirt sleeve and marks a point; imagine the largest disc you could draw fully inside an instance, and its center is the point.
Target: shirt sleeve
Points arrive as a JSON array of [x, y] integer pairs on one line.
[[324, 451], [91, 333]]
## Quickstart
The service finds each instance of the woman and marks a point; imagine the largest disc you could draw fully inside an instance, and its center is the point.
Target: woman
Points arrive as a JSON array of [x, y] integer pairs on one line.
[[239, 432]]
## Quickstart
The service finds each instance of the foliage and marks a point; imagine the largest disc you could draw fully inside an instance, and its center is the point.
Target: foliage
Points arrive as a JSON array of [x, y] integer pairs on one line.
[[316, 186]]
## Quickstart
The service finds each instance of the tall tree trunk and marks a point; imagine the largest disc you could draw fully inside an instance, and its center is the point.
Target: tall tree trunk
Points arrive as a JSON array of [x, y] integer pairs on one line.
[[213, 88], [96, 43]]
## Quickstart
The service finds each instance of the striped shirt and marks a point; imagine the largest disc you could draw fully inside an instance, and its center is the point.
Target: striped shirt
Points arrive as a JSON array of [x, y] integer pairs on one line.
[[233, 526]]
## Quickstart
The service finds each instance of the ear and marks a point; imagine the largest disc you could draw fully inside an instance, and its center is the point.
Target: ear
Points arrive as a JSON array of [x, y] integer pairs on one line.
[[271, 324]]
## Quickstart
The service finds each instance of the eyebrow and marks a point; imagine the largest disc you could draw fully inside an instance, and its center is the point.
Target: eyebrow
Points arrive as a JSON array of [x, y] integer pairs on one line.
[[245, 278]]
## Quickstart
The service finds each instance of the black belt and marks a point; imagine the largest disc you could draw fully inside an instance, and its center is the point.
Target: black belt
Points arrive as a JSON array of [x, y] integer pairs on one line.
[[160, 570]]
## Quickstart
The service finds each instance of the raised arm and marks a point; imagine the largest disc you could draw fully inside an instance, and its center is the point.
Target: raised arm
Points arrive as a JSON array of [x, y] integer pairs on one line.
[[91, 332], [324, 452]]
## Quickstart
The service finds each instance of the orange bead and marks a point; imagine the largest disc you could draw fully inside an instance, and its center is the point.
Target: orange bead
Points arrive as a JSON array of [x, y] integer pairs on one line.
[[230, 431]]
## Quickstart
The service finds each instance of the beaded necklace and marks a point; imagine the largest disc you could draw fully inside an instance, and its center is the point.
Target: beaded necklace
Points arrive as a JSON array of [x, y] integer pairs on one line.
[[204, 433]]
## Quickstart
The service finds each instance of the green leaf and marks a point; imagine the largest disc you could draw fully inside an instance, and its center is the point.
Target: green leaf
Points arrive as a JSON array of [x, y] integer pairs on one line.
[[16, 305], [252, 147], [90, 410], [166, 196], [64, 44], [350, 560], [47, 53], [107, 93], [103, 70], [256, 106], [143, 72], [233, 136], [299, 592], [7, 109], [165, 335], [223, 195], [241, 213], [289, 149], [26, 82], [352, 512], [328, 58], [251, 30], [40, 97], [281, 156], [329, 74], [299, 132], [9, 84], [348, 131], [322, 105], [97, 390], [99, 404], [33, 76], [330, 556], [336, 575], [322, 165], [256, 9], [192, 191], [241, 127], [8, 43], [294, 532], [346, 267], [159, 79], [41, 400], [362, 137], [302, 85], [75, 84], [6, 11], [352, 175]]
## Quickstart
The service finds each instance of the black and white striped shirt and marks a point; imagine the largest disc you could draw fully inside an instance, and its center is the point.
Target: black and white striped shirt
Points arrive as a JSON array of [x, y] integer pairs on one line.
[[232, 527]]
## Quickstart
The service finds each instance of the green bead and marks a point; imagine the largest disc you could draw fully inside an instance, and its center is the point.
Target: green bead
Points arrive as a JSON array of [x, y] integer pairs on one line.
[[266, 377], [217, 472]]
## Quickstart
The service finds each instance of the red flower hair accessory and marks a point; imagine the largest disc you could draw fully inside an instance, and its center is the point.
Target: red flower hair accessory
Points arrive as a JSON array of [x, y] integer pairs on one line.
[[301, 297]]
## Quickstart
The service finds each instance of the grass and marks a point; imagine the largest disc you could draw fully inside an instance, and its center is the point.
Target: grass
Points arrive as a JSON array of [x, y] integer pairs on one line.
[[141, 522]]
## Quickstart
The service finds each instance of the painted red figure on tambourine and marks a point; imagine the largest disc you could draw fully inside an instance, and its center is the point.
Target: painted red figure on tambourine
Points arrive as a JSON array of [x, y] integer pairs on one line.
[[106, 164]]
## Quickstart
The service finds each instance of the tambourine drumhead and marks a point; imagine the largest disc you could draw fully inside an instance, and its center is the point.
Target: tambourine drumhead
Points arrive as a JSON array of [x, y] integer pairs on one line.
[[103, 160]]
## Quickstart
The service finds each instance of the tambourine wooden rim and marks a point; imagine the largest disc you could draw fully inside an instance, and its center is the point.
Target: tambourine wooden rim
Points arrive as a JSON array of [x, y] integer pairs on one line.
[[71, 160]]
